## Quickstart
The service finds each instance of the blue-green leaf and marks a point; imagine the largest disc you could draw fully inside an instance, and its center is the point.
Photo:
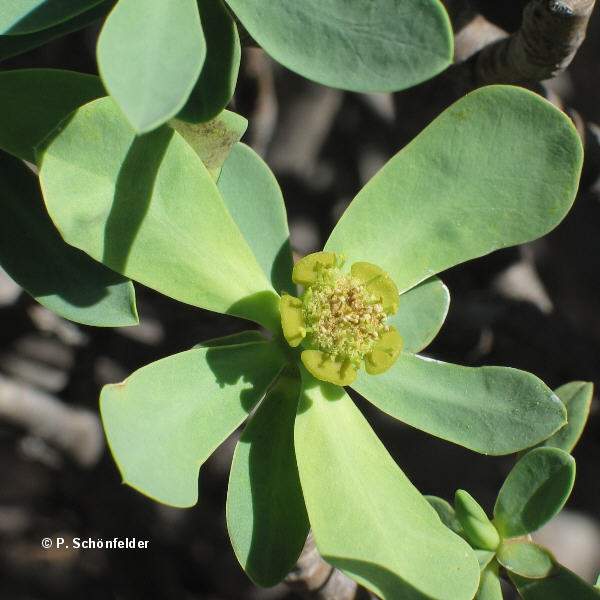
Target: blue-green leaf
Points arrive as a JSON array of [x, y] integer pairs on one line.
[[378, 46], [150, 54], [218, 77], [147, 207], [534, 491], [421, 313], [498, 168], [254, 200], [367, 518], [526, 559], [10, 45], [577, 398], [266, 516], [489, 585], [168, 417], [563, 585], [34, 101], [446, 514], [494, 410], [29, 16], [60, 277]]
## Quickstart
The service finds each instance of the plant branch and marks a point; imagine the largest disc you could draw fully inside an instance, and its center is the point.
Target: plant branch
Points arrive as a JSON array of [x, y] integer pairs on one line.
[[550, 35], [315, 579]]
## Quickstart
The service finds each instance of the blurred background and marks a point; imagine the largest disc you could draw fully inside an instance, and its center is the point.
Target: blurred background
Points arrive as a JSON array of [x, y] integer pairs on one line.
[[536, 308]]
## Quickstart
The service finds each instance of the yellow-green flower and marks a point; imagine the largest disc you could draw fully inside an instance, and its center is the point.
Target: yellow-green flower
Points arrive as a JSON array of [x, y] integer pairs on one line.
[[340, 319]]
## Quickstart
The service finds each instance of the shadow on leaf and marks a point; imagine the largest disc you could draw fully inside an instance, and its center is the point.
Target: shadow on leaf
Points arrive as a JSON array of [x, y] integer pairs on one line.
[[133, 192], [232, 363], [33, 252], [279, 518], [386, 583]]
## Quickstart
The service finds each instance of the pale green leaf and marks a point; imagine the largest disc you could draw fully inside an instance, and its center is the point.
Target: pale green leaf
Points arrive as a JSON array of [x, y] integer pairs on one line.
[[526, 559], [479, 530], [233, 339], [446, 514], [147, 208], [60, 277], [10, 45], [254, 199], [577, 398], [29, 16], [534, 491], [150, 54], [564, 585], [34, 101], [494, 410], [367, 518], [421, 313], [489, 586], [484, 557], [168, 417], [218, 77], [266, 516], [498, 168], [365, 47], [214, 140]]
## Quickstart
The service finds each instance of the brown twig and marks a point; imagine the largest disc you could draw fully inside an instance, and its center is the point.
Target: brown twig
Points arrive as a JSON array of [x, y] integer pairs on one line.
[[550, 35], [315, 579]]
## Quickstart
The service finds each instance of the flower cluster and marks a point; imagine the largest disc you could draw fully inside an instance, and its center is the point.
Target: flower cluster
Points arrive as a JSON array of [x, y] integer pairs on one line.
[[340, 318]]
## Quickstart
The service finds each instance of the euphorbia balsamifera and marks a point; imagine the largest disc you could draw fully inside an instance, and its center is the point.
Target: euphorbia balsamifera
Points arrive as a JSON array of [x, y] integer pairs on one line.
[[499, 167]]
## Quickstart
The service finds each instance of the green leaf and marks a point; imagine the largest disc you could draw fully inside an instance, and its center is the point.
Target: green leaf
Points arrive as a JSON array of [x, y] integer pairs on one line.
[[484, 557], [266, 516], [364, 47], [147, 208], [534, 491], [446, 514], [367, 518], [60, 277], [254, 200], [168, 417], [421, 313], [479, 530], [34, 101], [214, 140], [498, 168], [489, 585], [11, 45], [216, 83], [29, 16], [150, 54], [493, 410], [577, 398], [526, 559], [559, 586]]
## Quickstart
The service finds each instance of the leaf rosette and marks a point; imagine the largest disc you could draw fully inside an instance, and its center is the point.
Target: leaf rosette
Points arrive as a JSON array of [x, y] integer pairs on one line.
[[500, 167]]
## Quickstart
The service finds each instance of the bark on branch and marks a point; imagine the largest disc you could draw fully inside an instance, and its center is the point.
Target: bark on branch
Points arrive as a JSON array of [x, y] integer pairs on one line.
[[550, 35], [315, 579]]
